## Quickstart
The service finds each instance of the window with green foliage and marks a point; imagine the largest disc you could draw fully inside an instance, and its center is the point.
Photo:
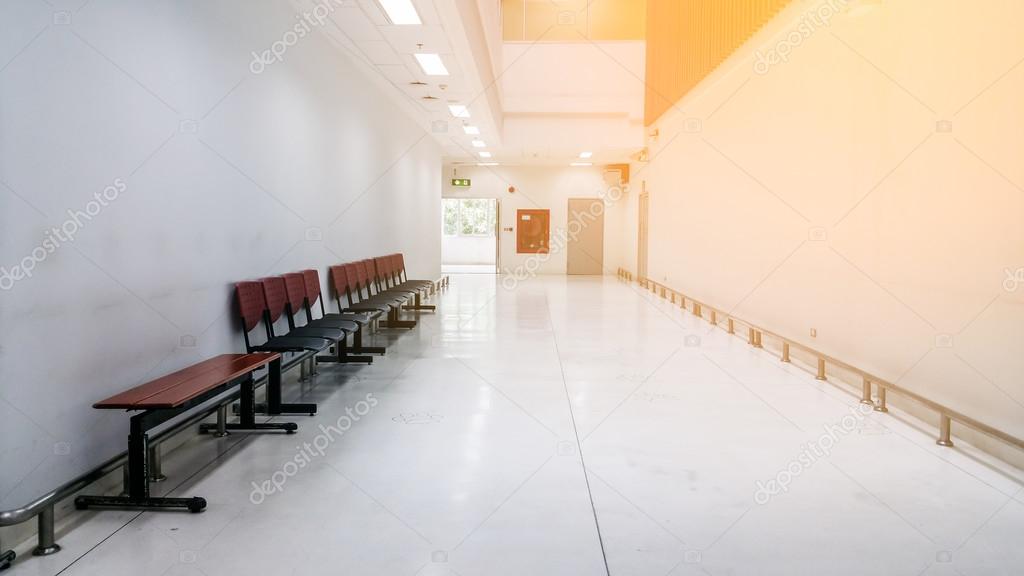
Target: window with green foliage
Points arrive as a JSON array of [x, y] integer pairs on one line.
[[468, 216]]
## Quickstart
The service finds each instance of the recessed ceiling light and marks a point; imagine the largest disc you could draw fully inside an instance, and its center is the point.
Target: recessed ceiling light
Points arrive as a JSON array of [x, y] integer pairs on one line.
[[479, 144], [486, 163], [471, 130], [401, 12], [485, 154], [586, 154], [581, 164], [459, 110], [431, 64]]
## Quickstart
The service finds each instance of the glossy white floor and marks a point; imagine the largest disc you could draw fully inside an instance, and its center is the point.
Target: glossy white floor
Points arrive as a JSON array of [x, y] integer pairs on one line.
[[570, 427]]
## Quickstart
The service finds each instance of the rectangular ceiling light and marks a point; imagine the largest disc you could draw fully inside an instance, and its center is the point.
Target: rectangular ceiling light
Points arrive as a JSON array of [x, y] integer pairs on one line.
[[473, 130], [581, 164], [401, 12], [479, 144], [485, 154], [486, 163], [586, 154], [431, 64], [459, 110]]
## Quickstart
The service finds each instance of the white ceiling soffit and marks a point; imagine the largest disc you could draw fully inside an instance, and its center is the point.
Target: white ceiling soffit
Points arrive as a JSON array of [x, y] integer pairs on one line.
[[386, 52], [571, 97]]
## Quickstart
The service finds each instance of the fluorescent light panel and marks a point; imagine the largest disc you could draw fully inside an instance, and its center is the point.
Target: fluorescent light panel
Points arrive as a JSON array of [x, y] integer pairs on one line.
[[581, 164], [459, 110], [479, 144], [431, 64], [485, 154], [486, 163], [586, 154], [472, 130], [400, 12]]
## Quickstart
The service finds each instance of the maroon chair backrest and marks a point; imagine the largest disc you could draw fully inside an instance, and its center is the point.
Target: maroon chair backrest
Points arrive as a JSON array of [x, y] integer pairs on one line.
[[363, 273], [383, 268], [339, 281], [400, 264], [274, 292], [373, 278], [251, 303], [396, 275], [352, 278], [311, 280], [295, 291]]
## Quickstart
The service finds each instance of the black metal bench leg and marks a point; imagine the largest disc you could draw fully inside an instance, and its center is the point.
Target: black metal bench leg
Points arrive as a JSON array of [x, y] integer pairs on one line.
[[274, 406], [418, 304], [247, 412], [394, 322], [138, 480], [358, 348], [344, 357]]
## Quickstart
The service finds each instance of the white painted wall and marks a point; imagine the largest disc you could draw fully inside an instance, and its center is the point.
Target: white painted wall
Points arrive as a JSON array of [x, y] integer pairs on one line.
[[621, 219], [227, 175], [537, 187], [826, 194]]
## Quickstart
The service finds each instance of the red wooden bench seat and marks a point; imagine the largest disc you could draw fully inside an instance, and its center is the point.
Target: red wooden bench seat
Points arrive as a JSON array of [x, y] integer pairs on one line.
[[178, 388]]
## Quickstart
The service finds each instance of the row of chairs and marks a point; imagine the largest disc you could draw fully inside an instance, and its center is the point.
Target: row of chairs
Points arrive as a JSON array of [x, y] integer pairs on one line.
[[366, 291], [369, 293]]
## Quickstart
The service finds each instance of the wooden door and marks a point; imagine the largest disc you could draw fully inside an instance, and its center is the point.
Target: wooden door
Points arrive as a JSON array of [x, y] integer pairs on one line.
[[585, 236]]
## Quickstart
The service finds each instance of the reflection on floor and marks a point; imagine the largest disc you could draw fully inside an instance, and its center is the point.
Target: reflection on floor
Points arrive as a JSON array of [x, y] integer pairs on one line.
[[468, 269], [571, 426]]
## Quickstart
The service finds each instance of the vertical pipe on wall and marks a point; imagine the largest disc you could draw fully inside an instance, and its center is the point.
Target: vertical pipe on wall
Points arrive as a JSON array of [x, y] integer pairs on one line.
[[865, 393], [156, 464], [47, 544], [881, 407], [945, 426]]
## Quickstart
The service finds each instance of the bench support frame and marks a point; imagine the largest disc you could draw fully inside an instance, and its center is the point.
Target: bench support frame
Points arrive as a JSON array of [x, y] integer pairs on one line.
[[138, 479], [418, 303]]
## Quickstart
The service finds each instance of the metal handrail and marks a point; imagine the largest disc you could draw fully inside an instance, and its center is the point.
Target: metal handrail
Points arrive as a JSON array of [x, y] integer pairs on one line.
[[947, 415]]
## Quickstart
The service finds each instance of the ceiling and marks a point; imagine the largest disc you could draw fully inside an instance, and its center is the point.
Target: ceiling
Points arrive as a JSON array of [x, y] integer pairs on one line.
[[534, 103]]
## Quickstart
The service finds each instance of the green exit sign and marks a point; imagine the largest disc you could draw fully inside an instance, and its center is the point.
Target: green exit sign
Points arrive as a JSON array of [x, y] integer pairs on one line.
[[462, 182]]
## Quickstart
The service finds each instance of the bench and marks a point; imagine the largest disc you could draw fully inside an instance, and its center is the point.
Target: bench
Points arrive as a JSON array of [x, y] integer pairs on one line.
[[172, 395], [361, 276], [394, 267], [366, 320], [398, 268], [349, 294]]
